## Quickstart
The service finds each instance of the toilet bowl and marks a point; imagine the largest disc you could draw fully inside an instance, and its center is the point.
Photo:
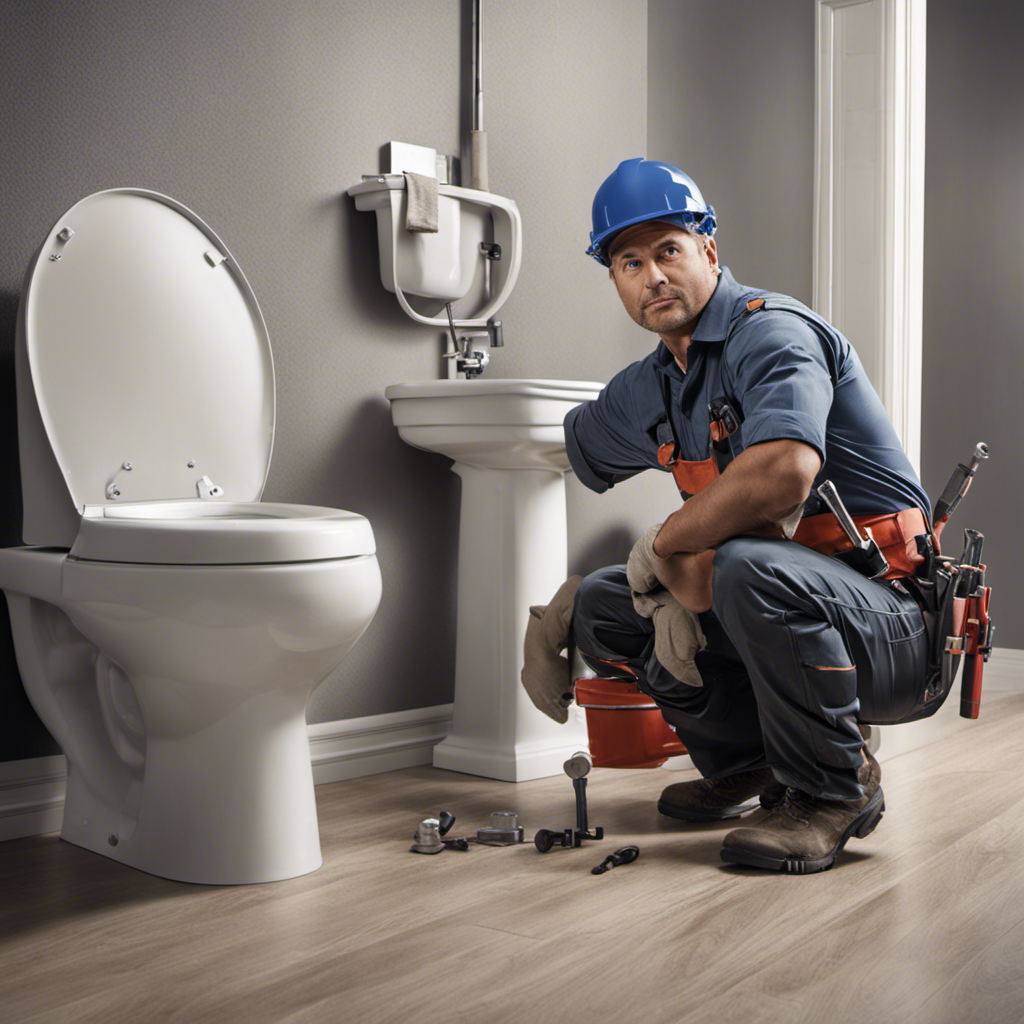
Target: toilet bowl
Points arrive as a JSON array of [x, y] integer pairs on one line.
[[169, 626]]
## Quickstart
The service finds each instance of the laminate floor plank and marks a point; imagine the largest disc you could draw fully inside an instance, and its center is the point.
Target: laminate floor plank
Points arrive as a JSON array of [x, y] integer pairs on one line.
[[987, 987], [920, 921], [899, 947]]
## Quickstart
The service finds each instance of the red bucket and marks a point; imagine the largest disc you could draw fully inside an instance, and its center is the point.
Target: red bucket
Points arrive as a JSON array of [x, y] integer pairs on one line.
[[625, 726]]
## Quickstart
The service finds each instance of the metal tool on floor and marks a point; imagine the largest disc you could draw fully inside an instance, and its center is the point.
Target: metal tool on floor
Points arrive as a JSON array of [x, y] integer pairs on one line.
[[428, 837], [577, 768], [626, 855], [504, 830], [445, 821], [432, 835]]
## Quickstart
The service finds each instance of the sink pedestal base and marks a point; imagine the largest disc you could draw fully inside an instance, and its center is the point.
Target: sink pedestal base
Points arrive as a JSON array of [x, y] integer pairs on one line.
[[512, 554]]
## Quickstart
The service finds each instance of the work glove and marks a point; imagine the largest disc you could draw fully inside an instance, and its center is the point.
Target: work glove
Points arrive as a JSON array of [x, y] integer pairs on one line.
[[677, 632], [639, 572], [547, 674]]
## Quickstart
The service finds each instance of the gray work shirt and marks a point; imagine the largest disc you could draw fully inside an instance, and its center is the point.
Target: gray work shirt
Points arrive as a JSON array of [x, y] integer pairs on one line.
[[791, 376]]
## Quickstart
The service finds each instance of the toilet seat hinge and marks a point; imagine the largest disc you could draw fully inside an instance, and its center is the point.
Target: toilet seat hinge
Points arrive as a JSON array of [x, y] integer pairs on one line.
[[206, 488]]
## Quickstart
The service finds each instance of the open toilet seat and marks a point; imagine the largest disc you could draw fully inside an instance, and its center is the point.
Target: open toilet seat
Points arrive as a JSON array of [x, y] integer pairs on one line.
[[202, 532]]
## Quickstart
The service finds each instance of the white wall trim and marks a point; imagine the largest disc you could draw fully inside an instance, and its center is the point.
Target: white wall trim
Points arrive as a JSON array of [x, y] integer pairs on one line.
[[1004, 671], [32, 790], [354, 747], [31, 796], [869, 148]]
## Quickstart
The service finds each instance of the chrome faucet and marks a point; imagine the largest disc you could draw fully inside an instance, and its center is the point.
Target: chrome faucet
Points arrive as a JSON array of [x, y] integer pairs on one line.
[[469, 361], [472, 361]]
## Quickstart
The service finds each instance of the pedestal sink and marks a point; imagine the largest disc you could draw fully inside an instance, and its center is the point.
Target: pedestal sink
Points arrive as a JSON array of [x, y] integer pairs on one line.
[[506, 440]]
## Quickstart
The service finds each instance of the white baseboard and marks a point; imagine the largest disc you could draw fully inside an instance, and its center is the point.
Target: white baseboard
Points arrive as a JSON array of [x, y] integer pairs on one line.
[[32, 789], [355, 747], [1004, 671], [31, 796]]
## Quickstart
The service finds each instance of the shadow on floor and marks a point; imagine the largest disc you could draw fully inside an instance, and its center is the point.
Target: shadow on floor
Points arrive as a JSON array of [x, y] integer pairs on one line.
[[46, 882]]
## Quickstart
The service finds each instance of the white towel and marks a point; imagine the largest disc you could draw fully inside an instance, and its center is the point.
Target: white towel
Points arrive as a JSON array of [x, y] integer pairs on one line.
[[421, 202]]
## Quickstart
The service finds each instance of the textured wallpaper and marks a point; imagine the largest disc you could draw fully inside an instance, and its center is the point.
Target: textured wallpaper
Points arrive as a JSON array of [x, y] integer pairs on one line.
[[258, 115]]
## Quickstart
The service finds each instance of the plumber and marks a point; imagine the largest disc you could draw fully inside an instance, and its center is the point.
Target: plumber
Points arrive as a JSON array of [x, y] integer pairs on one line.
[[751, 401]]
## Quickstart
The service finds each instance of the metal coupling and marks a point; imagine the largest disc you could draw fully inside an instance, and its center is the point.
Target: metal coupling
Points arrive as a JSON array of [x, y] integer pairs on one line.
[[503, 830], [428, 837]]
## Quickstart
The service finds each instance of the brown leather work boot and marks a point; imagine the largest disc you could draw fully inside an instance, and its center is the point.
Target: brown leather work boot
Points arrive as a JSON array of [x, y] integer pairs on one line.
[[806, 833], [721, 799]]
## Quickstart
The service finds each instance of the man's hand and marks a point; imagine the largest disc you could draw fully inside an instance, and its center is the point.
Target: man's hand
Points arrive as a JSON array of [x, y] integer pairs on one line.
[[687, 578], [760, 487]]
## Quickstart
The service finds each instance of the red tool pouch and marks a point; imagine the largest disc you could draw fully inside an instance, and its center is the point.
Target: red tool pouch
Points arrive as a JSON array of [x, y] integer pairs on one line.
[[959, 630], [690, 477], [977, 645]]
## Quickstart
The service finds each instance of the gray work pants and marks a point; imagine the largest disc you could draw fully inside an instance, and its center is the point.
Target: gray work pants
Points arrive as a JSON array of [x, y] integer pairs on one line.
[[800, 649]]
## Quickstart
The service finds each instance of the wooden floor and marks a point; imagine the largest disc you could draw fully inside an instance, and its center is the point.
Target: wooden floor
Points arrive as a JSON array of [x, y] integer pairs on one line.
[[920, 923]]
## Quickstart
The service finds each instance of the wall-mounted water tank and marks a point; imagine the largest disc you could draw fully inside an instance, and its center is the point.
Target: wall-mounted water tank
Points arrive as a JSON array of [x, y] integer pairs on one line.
[[442, 265]]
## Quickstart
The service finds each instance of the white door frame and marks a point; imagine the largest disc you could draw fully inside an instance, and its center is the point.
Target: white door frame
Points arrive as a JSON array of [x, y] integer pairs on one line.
[[869, 192]]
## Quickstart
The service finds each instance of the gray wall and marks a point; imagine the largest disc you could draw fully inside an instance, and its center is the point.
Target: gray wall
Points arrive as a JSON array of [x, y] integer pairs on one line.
[[974, 262], [258, 115], [742, 123], [730, 87]]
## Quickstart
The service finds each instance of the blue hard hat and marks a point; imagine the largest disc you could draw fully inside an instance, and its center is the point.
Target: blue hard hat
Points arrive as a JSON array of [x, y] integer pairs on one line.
[[639, 190]]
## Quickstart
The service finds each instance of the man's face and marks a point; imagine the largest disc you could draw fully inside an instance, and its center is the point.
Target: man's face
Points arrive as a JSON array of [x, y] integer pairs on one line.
[[664, 275]]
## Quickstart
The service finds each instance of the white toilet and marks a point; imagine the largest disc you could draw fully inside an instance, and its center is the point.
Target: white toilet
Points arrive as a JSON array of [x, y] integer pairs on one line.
[[169, 626]]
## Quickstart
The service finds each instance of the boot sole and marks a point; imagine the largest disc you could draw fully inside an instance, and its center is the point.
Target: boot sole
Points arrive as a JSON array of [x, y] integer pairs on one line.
[[863, 825], [725, 814]]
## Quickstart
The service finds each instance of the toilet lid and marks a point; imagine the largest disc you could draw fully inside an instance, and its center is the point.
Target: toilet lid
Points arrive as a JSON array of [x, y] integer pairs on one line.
[[147, 349]]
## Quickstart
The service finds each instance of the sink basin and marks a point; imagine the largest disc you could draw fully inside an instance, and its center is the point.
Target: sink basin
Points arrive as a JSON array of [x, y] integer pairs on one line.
[[506, 440], [491, 424]]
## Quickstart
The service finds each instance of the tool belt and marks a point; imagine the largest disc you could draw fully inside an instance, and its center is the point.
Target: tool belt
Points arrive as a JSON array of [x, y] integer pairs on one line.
[[895, 532], [951, 594]]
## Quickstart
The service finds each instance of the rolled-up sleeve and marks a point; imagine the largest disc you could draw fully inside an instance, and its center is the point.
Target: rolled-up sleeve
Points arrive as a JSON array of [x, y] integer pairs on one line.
[[779, 371], [602, 438]]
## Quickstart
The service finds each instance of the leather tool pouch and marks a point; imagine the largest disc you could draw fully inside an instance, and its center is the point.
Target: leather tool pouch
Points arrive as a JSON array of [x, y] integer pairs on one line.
[[944, 618]]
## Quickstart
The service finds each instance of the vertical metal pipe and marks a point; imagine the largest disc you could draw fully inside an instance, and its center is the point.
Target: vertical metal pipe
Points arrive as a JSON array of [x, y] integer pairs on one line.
[[478, 177], [478, 91]]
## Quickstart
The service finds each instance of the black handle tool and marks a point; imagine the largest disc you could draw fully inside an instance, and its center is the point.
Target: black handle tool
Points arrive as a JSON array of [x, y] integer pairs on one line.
[[626, 855], [957, 487]]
